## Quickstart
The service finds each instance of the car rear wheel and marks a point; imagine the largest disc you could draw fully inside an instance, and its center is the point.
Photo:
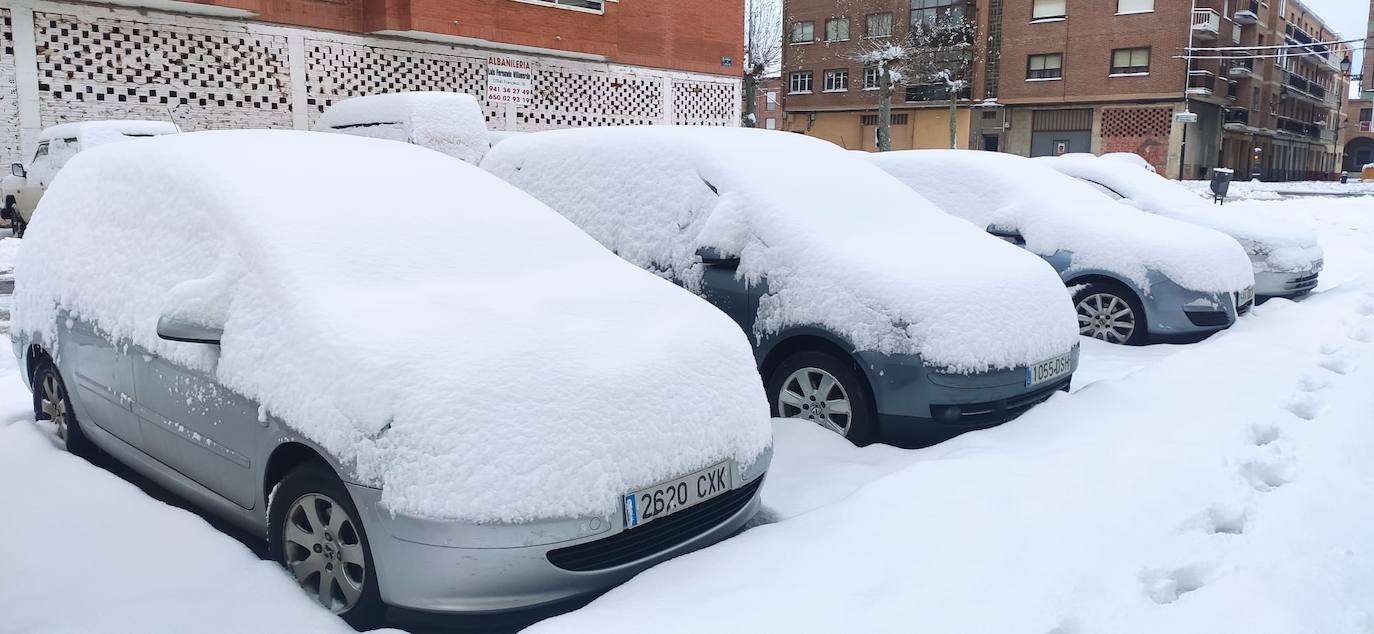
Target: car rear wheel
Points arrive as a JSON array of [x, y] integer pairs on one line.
[[1110, 313], [52, 403], [825, 390], [315, 533]]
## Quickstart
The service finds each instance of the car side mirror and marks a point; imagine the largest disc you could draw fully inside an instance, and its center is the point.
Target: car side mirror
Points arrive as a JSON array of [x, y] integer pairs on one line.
[[18, 170], [711, 256], [1010, 235], [176, 328]]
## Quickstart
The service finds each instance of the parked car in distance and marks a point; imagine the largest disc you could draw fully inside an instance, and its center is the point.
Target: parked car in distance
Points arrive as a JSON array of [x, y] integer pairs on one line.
[[477, 408], [1286, 257], [1135, 277], [23, 187], [447, 122], [872, 313]]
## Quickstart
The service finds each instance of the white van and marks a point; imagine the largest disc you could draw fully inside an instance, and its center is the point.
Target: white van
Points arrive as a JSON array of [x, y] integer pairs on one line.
[[446, 122], [24, 186]]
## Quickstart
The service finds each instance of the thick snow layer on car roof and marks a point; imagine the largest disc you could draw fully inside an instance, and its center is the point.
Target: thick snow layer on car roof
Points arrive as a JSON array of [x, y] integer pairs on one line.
[[841, 244], [1278, 245], [446, 122], [1129, 158], [92, 133], [476, 355], [1056, 213]]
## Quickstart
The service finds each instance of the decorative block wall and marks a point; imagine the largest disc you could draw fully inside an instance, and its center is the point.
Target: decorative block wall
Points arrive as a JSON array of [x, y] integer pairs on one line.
[[201, 78], [1142, 131], [9, 98], [97, 61]]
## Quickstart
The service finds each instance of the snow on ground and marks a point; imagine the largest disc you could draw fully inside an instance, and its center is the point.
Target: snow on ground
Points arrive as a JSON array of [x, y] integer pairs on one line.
[[1255, 190], [1212, 487], [1218, 486]]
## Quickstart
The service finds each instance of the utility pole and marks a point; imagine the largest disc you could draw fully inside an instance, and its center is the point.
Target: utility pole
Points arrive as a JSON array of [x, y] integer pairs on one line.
[[1187, 81]]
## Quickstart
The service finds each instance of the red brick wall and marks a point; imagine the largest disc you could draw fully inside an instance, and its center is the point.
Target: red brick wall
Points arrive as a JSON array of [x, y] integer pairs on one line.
[[1141, 131], [688, 36]]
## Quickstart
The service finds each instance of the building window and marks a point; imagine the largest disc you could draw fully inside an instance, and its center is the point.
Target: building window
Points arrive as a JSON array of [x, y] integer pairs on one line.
[[771, 102], [929, 11], [989, 114], [1048, 66], [837, 29], [878, 25], [836, 80], [1047, 9], [770, 123], [1366, 114], [590, 5], [800, 82], [803, 32], [1134, 6], [1130, 61], [870, 77], [872, 119]]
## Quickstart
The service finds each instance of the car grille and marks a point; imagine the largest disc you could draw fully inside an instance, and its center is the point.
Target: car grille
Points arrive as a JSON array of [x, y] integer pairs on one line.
[[1007, 409], [1301, 284], [655, 537], [1209, 318]]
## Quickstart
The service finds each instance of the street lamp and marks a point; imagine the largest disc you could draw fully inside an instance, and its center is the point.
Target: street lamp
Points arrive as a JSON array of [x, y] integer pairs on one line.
[[1345, 70]]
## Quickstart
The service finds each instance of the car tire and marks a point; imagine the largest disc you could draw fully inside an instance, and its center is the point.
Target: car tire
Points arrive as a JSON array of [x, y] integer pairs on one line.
[[1103, 308], [800, 387], [52, 402], [329, 556]]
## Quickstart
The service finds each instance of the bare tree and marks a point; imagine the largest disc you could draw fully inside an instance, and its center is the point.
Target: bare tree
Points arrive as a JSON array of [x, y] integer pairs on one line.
[[762, 50], [888, 60], [942, 54]]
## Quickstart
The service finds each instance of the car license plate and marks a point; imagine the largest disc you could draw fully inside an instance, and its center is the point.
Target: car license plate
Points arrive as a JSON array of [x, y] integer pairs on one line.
[[666, 498], [1245, 298], [1049, 370]]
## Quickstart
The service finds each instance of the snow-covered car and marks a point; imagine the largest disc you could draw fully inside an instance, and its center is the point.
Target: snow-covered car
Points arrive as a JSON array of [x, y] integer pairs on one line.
[[1135, 277], [473, 408], [1127, 158], [23, 187], [872, 313], [447, 122], [1286, 257]]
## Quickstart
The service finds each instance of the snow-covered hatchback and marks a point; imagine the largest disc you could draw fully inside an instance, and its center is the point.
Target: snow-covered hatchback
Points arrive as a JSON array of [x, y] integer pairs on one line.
[[473, 407], [1285, 256], [872, 312]]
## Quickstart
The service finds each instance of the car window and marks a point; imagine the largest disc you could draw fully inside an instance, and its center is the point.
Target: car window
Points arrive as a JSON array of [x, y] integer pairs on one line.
[[41, 152]]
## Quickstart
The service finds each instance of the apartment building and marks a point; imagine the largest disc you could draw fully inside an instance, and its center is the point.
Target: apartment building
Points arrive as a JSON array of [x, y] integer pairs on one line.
[[209, 64], [1357, 131], [768, 104], [832, 95]]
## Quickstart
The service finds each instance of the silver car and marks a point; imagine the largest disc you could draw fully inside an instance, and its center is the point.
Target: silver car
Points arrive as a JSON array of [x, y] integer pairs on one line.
[[154, 375]]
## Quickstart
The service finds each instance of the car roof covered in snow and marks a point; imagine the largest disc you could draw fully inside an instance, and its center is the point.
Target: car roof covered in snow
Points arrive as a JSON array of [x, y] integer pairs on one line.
[[91, 133], [1054, 212], [474, 354], [1285, 246], [447, 122], [858, 254]]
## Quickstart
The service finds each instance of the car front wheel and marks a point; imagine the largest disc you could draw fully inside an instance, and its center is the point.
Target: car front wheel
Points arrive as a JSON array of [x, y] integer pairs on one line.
[[315, 533], [52, 403], [1109, 313], [825, 390]]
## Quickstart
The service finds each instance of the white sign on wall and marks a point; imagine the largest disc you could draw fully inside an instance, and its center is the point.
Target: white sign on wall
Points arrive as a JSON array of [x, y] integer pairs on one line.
[[509, 81]]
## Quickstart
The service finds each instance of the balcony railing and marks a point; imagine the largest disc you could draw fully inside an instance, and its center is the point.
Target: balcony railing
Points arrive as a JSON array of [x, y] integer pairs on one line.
[[1239, 116], [1300, 128], [1206, 23], [1305, 88], [1239, 68], [1201, 82], [1247, 13]]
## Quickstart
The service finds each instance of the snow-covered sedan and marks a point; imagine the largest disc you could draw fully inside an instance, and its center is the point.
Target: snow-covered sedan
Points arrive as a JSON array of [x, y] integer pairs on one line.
[[1286, 257], [447, 122], [474, 407], [873, 314], [1135, 277]]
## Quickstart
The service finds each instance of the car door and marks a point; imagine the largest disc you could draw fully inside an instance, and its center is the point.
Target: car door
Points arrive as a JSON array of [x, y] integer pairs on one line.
[[735, 297], [193, 424], [30, 190], [100, 373]]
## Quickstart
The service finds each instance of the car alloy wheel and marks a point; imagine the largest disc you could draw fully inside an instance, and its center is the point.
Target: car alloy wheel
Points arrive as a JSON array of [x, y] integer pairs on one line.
[[324, 551], [52, 404], [813, 394], [1106, 317]]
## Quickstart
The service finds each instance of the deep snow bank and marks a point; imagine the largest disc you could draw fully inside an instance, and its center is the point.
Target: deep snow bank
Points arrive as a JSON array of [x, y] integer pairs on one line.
[[476, 355], [866, 258], [1057, 213]]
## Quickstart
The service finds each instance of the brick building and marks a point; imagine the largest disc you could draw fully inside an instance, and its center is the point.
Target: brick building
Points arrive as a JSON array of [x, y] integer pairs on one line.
[[832, 96], [279, 63], [1098, 76], [1358, 129], [768, 106]]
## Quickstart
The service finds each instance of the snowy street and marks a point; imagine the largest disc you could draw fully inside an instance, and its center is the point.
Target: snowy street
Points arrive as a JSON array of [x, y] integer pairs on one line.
[[1216, 486]]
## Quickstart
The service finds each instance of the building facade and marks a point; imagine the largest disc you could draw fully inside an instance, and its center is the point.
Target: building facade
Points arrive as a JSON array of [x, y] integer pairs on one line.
[[1061, 76], [213, 64], [769, 111], [832, 95]]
